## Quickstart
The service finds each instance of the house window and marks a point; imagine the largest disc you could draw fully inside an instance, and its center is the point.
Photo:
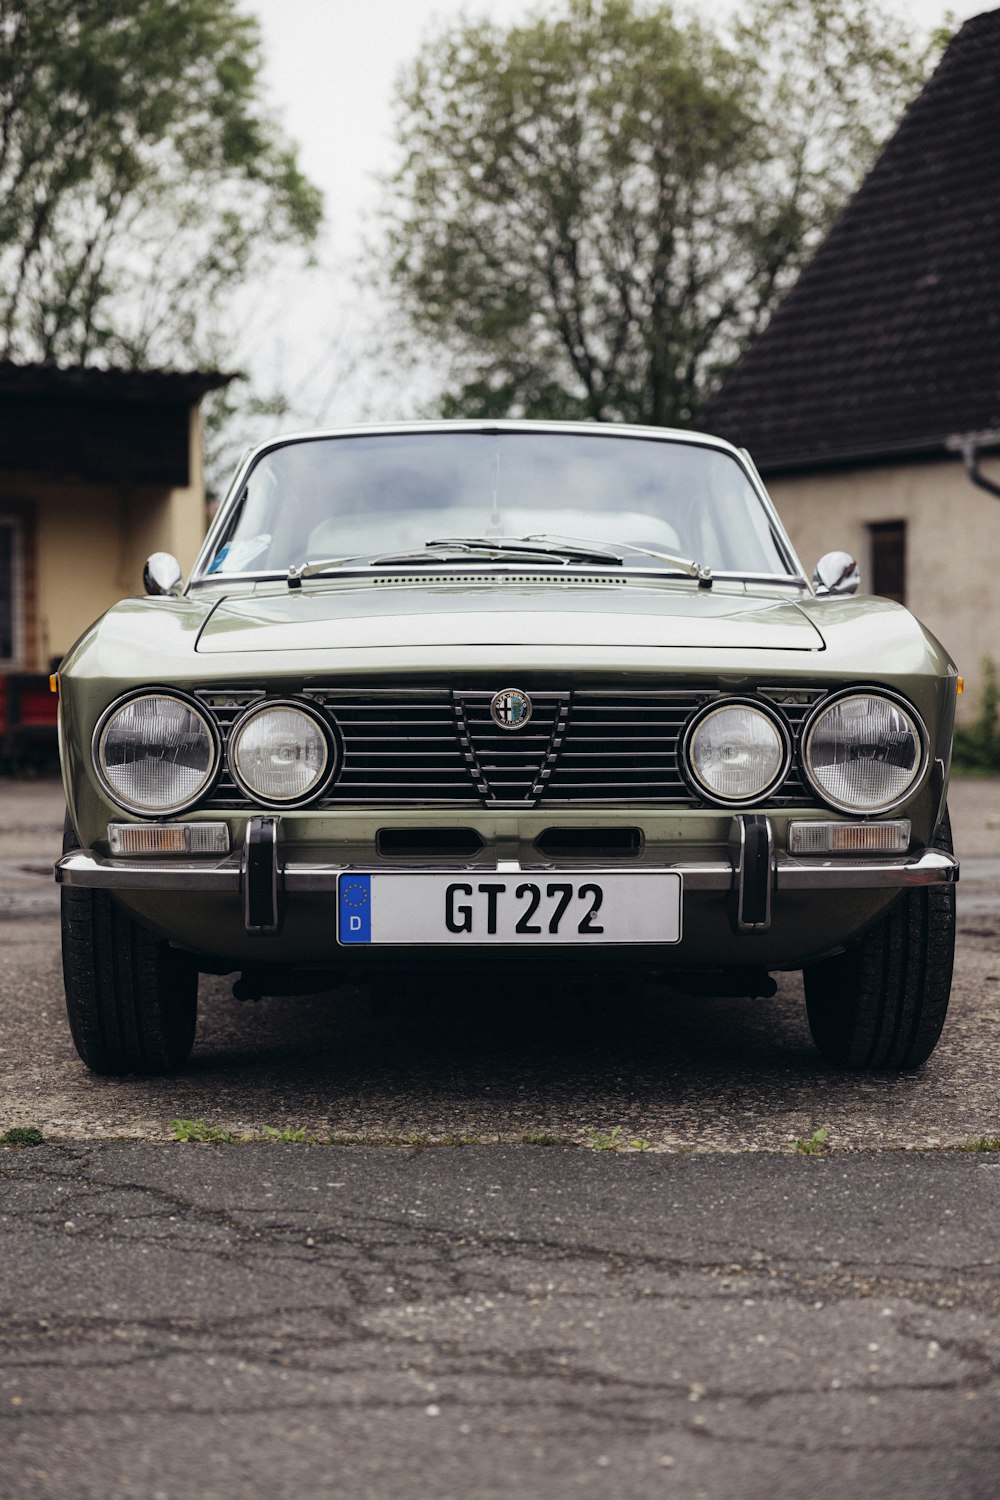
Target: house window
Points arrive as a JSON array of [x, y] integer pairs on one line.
[[9, 591], [888, 559]]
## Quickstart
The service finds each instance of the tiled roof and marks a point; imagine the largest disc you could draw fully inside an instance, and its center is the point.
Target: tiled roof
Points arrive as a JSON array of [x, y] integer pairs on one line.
[[889, 342], [89, 383]]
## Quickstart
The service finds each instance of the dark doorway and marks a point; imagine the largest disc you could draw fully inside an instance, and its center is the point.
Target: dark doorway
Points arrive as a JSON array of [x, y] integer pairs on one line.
[[888, 559]]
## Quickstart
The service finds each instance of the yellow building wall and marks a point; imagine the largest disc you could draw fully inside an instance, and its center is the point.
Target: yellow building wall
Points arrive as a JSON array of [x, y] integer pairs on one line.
[[91, 541], [952, 546], [186, 519]]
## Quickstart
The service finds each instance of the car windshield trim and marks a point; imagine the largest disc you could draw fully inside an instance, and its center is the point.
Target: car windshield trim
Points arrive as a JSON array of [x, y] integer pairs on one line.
[[468, 563]]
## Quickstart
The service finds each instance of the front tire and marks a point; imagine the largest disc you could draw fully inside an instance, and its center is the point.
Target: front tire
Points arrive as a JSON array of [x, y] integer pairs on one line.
[[882, 1004], [132, 1000]]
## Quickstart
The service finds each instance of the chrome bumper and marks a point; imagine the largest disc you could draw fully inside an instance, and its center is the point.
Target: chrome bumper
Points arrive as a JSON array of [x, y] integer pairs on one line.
[[260, 884], [83, 867]]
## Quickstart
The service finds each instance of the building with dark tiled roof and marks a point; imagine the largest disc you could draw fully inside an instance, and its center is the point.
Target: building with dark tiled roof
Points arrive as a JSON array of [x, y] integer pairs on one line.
[[886, 353]]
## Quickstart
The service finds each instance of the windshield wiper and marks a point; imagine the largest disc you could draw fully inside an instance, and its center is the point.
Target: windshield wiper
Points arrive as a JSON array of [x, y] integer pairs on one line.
[[446, 551], [546, 547], [310, 569], [685, 565], [528, 548]]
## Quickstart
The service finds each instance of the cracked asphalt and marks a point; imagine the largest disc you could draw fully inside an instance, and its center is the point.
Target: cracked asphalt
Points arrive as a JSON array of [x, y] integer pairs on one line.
[[714, 1316], [283, 1320]]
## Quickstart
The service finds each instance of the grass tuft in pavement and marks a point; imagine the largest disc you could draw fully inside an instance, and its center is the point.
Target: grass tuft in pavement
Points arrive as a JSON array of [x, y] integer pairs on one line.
[[816, 1144], [22, 1135]]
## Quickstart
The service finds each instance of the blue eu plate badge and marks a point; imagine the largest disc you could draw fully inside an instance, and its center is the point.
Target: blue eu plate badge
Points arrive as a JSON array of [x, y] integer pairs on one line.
[[355, 908]]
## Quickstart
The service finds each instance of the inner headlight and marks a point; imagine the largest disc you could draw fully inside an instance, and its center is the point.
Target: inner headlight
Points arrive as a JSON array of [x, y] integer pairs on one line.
[[863, 752], [156, 754], [737, 753], [279, 753]]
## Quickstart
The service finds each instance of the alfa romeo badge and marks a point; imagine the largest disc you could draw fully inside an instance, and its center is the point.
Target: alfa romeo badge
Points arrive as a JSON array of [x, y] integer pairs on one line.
[[510, 708]]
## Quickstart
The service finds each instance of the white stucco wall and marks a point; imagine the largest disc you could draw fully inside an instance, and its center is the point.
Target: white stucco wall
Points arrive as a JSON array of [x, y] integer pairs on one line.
[[952, 546]]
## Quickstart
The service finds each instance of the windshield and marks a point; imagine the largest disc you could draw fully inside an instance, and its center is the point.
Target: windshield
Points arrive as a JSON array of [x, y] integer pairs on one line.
[[352, 497]]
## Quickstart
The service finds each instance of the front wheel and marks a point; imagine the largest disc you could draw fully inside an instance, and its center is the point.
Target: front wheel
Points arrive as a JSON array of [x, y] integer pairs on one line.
[[132, 1000], [882, 1004]]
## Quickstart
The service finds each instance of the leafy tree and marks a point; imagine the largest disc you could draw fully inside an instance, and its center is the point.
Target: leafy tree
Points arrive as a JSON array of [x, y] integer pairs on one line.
[[596, 209], [140, 177]]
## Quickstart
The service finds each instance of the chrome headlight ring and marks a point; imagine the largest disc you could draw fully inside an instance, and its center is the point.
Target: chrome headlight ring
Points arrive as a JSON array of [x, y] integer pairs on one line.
[[909, 716], [105, 769], [768, 784], [325, 750]]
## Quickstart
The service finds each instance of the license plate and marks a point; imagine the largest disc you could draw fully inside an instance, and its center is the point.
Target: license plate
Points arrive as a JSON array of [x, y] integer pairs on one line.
[[518, 910]]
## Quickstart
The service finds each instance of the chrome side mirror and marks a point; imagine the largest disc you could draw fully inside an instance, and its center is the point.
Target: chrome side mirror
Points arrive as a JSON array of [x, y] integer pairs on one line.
[[836, 573], [162, 574]]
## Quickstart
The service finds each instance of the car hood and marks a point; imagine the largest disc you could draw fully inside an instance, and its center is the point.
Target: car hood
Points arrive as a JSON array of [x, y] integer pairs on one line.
[[454, 614]]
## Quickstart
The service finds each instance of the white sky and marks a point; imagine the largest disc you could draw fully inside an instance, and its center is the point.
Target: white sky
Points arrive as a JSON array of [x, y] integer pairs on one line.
[[331, 66]]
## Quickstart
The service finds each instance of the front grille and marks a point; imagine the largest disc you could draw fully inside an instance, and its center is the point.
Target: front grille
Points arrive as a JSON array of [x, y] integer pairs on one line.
[[624, 748], [441, 746], [511, 766]]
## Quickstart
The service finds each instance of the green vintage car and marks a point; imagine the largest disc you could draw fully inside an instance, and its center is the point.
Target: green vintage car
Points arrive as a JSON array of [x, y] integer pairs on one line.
[[556, 689]]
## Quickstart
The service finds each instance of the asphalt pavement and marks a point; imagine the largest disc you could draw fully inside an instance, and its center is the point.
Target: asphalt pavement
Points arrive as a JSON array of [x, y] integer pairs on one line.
[[471, 1323], [441, 1300]]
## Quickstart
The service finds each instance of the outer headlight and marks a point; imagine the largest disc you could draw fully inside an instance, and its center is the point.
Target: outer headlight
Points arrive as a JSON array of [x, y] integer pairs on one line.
[[280, 753], [863, 752], [155, 754], [737, 753]]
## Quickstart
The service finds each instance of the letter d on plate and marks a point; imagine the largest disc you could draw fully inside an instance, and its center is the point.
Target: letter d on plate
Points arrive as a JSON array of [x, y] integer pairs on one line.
[[355, 908]]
